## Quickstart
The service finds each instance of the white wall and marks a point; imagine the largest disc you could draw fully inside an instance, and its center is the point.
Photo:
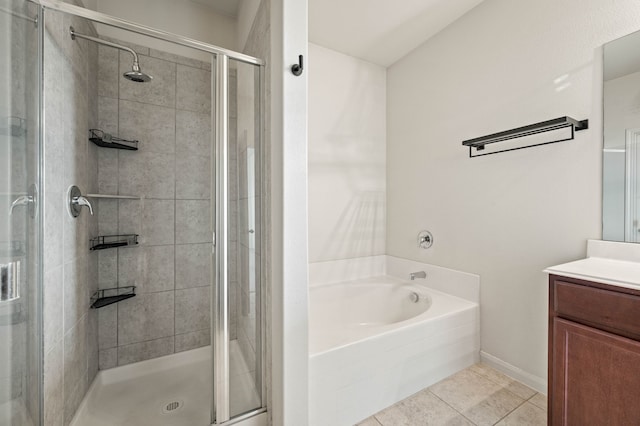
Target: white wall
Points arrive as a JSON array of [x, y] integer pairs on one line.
[[506, 216], [287, 216], [347, 159], [246, 15], [185, 18]]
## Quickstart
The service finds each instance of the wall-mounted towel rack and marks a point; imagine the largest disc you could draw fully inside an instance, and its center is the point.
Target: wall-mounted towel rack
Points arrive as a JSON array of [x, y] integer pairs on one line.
[[477, 145]]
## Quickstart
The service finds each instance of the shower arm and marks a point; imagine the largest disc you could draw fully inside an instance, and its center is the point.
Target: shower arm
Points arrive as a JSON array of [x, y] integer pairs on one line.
[[136, 64]]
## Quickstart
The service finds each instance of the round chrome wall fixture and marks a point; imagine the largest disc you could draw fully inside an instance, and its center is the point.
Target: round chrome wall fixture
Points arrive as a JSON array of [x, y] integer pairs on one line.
[[425, 239], [77, 201]]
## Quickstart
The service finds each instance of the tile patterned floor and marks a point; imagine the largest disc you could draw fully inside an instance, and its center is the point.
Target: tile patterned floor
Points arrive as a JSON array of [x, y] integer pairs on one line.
[[477, 396]]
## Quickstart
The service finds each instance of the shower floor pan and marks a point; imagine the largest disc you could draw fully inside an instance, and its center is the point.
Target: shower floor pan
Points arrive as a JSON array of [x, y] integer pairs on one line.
[[173, 390]]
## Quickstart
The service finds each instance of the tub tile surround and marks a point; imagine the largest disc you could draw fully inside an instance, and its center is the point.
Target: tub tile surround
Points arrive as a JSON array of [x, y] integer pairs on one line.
[[478, 395], [342, 386]]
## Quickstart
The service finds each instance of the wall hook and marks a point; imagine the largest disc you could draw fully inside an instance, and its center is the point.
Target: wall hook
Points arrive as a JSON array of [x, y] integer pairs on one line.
[[296, 69]]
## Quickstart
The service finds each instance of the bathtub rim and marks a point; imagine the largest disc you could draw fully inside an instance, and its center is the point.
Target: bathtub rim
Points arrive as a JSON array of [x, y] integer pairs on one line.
[[418, 320]]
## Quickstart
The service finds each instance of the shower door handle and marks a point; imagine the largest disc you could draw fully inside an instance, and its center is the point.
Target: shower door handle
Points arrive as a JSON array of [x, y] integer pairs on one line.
[[28, 200], [23, 200]]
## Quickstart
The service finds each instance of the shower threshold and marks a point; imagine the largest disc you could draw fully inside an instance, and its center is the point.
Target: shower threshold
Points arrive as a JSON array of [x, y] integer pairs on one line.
[[172, 390]]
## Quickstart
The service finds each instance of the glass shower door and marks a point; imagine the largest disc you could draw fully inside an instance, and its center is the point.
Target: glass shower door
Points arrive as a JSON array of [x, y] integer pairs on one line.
[[19, 148], [238, 292], [245, 378]]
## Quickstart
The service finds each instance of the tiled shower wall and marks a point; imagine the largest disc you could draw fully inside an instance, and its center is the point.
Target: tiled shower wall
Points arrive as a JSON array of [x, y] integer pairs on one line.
[[171, 173], [70, 269]]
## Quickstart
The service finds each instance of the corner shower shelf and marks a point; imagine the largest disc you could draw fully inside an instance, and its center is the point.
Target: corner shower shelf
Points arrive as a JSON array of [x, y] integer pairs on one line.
[[104, 242], [108, 296], [113, 197], [545, 126], [106, 140]]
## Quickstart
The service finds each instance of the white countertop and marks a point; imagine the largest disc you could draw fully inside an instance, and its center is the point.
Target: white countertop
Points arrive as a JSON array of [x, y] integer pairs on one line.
[[603, 270]]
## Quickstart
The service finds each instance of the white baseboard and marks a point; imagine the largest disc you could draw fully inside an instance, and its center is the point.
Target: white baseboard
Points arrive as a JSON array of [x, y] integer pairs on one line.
[[537, 383]]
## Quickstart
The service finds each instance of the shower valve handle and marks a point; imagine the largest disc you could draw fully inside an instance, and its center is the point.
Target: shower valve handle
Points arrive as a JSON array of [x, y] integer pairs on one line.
[[77, 201], [82, 201]]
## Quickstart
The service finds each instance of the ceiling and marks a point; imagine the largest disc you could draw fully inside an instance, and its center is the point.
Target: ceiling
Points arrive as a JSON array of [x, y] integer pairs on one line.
[[380, 31]]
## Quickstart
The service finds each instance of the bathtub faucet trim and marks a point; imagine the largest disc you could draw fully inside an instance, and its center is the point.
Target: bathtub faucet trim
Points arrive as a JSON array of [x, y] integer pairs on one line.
[[419, 274]]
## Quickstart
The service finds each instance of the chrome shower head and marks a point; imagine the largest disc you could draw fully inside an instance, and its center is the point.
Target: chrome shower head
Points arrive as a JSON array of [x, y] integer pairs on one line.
[[136, 75]]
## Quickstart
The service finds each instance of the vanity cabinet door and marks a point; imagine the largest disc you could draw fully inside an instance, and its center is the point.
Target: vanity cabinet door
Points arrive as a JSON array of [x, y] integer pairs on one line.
[[595, 377]]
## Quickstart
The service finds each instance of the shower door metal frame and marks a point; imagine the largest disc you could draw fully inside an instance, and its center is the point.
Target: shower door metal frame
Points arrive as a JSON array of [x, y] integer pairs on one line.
[[220, 303], [220, 118], [112, 21]]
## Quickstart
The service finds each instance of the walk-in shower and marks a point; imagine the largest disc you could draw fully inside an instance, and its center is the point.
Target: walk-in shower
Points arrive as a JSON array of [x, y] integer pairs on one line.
[[153, 307]]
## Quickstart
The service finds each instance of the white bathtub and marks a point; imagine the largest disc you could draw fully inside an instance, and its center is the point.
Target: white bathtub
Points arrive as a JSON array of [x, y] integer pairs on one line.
[[373, 342]]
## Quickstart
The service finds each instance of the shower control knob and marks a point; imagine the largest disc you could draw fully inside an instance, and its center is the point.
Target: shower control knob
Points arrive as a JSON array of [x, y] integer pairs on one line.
[[77, 201], [425, 239]]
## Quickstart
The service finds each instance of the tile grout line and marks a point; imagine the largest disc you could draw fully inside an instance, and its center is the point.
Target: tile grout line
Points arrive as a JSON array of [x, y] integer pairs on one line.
[[509, 413], [452, 407], [496, 382], [503, 387]]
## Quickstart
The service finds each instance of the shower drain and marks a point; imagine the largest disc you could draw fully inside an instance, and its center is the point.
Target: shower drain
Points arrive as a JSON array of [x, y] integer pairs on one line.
[[172, 407]]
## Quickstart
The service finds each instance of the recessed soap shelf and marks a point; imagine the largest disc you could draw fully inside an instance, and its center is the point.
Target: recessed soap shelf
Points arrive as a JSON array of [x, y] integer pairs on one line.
[[104, 242], [106, 140], [108, 296]]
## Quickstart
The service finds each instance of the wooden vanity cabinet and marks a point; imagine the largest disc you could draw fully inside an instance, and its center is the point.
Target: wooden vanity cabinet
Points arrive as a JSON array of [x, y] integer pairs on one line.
[[594, 353]]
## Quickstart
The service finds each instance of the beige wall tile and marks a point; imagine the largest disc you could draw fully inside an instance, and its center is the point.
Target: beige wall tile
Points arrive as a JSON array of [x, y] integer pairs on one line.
[[145, 317], [193, 89], [145, 350], [159, 91], [193, 340], [193, 265], [192, 309]]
